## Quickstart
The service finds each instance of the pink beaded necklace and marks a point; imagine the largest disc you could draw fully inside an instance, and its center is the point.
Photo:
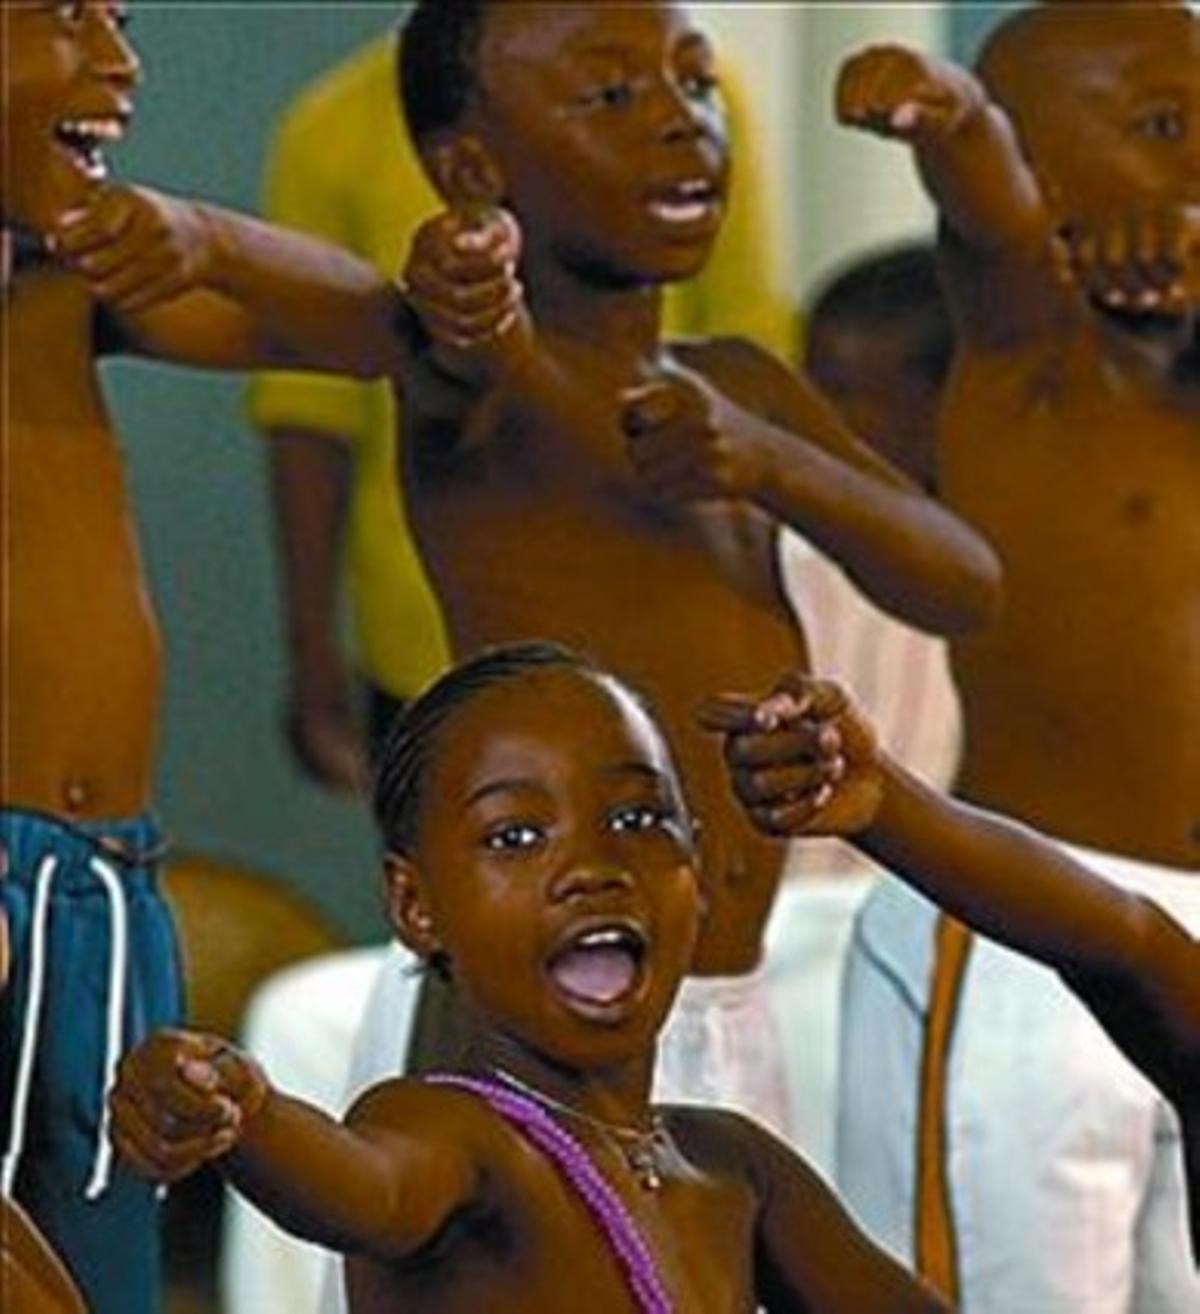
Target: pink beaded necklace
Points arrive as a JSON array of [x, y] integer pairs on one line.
[[608, 1211]]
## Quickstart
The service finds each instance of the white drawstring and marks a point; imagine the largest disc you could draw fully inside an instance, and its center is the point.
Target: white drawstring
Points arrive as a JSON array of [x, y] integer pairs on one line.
[[31, 1024], [117, 968]]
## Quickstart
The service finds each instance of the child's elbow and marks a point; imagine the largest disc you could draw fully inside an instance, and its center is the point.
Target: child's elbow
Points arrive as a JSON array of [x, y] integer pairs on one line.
[[963, 592], [980, 588]]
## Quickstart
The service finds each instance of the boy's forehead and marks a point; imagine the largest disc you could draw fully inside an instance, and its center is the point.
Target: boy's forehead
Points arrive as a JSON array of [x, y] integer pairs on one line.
[[532, 33], [1086, 47]]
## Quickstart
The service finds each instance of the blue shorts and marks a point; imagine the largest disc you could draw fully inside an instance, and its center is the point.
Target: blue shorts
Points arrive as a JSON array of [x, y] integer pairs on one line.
[[95, 966]]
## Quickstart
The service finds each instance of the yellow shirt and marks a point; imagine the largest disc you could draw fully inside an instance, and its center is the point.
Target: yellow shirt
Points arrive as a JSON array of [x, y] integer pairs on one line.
[[342, 167]]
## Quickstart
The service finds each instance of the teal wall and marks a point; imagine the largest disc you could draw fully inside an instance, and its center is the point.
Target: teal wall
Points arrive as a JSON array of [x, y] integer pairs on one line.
[[215, 77], [970, 23]]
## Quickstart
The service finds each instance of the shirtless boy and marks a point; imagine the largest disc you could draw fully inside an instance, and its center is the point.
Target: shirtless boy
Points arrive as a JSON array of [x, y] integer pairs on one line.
[[540, 851], [1068, 437], [612, 491], [92, 268]]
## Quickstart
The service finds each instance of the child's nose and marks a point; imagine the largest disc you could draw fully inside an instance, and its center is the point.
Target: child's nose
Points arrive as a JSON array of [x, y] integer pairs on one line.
[[110, 54], [588, 880], [681, 119]]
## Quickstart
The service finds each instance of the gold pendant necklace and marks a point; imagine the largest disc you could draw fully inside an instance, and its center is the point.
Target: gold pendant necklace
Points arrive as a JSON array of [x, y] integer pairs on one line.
[[642, 1148]]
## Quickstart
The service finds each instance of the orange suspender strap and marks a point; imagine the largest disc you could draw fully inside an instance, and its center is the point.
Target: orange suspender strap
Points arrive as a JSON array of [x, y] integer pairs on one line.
[[936, 1244]]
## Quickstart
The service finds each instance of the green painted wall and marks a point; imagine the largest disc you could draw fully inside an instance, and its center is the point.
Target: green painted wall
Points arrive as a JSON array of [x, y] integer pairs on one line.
[[970, 23], [215, 77]]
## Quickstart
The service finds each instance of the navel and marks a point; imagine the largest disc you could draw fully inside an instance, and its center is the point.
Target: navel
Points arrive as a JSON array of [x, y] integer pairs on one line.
[[1137, 509]]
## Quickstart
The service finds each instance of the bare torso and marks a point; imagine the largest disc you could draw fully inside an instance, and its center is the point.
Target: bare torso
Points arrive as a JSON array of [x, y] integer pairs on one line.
[[533, 534], [81, 650], [1080, 462], [538, 1248]]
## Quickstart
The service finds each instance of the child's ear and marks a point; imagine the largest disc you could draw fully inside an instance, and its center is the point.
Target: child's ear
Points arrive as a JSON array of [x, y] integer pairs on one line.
[[407, 912], [466, 174]]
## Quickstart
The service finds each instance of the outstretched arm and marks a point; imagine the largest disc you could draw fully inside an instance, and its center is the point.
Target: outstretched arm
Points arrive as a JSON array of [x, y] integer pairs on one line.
[[183, 1099], [194, 283], [804, 762]]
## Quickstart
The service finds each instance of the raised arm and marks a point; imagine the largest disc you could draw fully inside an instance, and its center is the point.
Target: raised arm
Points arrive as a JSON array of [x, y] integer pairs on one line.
[[963, 143], [969, 158], [383, 1184], [194, 283]]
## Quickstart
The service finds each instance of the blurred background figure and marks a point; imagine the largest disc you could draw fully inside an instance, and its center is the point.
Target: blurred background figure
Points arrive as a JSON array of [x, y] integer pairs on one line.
[[879, 341]]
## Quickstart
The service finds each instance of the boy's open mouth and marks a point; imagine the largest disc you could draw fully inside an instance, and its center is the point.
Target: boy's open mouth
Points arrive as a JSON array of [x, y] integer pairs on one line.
[[599, 965], [86, 138], [689, 201]]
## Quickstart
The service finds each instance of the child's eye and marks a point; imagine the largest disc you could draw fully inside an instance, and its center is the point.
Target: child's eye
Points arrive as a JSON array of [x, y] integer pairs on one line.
[[612, 95], [701, 86], [511, 836], [641, 817], [1163, 124]]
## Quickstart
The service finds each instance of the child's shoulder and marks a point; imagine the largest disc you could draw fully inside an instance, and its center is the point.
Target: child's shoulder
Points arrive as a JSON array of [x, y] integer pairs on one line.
[[443, 1115], [730, 1144], [759, 382], [745, 372], [724, 354], [718, 1139], [406, 1101]]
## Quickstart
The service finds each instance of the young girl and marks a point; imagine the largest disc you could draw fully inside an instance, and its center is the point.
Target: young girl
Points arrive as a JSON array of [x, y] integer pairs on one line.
[[540, 853]]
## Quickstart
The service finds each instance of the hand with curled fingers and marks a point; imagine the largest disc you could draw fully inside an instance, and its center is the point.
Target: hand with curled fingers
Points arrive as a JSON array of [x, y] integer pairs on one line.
[[1145, 262], [687, 442], [182, 1099], [135, 247], [904, 94], [461, 280], [803, 760]]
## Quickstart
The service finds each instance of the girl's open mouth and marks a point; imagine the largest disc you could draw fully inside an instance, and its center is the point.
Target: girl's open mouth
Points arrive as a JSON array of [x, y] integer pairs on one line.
[[598, 968]]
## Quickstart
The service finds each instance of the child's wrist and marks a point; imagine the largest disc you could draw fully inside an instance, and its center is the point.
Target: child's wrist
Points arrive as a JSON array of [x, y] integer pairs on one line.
[[893, 784], [244, 1082]]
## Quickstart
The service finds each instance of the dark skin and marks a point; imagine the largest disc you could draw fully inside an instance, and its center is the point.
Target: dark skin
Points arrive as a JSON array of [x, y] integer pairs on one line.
[[558, 810], [119, 269], [883, 388], [310, 484], [804, 761], [32, 1278], [607, 475], [1071, 258]]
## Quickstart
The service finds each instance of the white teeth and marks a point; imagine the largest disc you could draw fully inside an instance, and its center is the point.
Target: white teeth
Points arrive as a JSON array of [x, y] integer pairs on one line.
[[107, 129], [682, 212], [598, 939]]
